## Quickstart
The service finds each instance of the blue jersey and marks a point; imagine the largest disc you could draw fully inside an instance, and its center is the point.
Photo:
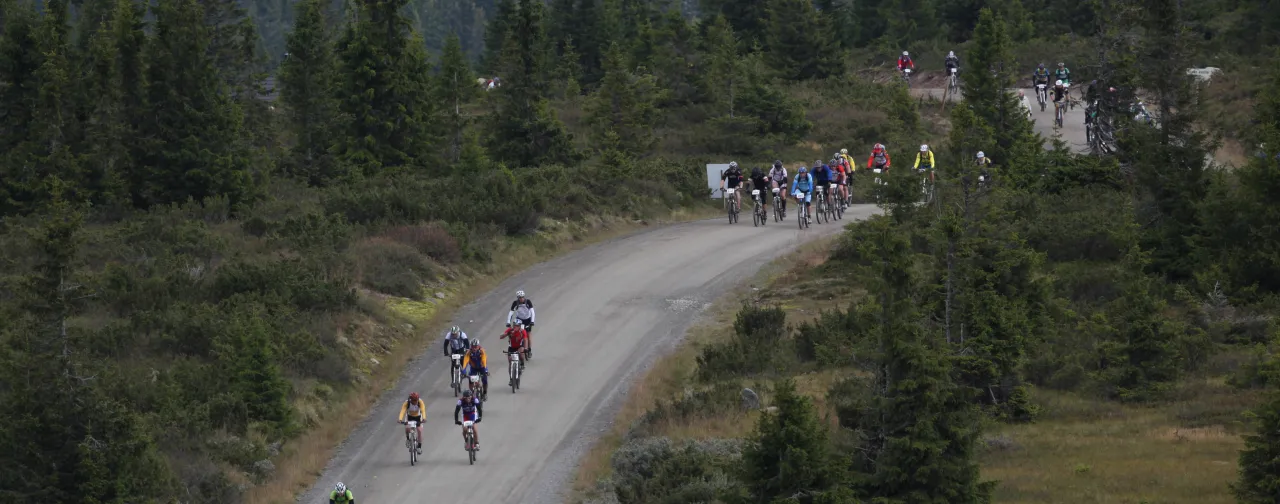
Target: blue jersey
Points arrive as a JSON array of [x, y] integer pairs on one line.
[[822, 175], [803, 182]]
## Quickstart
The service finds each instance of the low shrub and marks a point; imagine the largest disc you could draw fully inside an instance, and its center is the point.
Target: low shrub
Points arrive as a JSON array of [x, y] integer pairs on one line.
[[430, 238], [754, 347], [657, 470], [392, 267]]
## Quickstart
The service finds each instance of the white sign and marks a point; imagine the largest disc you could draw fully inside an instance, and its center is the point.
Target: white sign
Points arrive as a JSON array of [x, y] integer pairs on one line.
[[713, 178], [1203, 74]]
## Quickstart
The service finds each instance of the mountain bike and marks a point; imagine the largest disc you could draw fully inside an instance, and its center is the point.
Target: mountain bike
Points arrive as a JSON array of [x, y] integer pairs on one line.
[[456, 372], [469, 433], [477, 388], [778, 214], [952, 82], [1059, 111], [759, 216], [833, 207], [906, 77], [1042, 95], [820, 194], [926, 185], [513, 369], [732, 204], [412, 441], [802, 217]]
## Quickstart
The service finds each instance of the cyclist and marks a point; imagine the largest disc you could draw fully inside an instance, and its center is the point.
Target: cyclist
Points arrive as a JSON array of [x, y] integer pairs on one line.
[[522, 310], [1040, 76], [733, 176], [1063, 73], [821, 177], [841, 168], [879, 159], [413, 410], [925, 161], [760, 182], [477, 362], [844, 154], [518, 340], [455, 343], [952, 61], [904, 62], [341, 495], [778, 178], [984, 163], [1060, 93], [803, 184], [471, 409]]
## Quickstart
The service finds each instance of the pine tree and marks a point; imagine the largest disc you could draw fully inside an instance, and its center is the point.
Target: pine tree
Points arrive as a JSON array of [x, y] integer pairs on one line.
[[790, 452], [54, 127], [724, 64], [569, 70], [799, 41], [905, 30], [496, 33], [918, 432], [20, 58], [192, 128], [625, 105], [1141, 356], [992, 73], [1259, 481], [307, 89], [747, 17], [525, 131], [107, 129], [244, 350], [384, 94], [455, 87]]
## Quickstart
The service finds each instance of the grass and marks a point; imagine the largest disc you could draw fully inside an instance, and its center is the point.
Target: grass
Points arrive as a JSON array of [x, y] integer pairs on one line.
[[302, 459], [1081, 450]]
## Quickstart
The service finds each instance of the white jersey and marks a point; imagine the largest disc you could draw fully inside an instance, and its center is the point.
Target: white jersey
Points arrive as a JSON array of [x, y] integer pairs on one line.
[[521, 310]]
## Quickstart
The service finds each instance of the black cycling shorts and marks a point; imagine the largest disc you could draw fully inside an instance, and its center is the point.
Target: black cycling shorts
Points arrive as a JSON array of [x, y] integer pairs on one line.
[[411, 418]]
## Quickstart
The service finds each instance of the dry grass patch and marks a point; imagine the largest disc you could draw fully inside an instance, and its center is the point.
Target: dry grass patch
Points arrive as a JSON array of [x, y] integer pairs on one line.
[[1100, 452]]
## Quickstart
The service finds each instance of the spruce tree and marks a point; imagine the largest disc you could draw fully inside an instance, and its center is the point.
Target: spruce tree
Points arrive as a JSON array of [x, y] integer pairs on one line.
[[1259, 481], [748, 17], [455, 87], [569, 70], [789, 453], [20, 58], [307, 90], [799, 41], [992, 73], [192, 146], [525, 130], [724, 64], [625, 105], [496, 34], [107, 129], [1141, 357]]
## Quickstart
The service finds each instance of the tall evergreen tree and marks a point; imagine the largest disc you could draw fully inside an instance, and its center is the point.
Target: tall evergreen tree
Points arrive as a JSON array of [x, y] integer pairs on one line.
[[1259, 480], [748, 17], [789, 453], [455, 87], [799, 41], [724, 64], [308, 91], [385, 91], [20, 58], [496, 34], [526, 131], [107, 128], [192, 127], [993, 72], [625, 105]]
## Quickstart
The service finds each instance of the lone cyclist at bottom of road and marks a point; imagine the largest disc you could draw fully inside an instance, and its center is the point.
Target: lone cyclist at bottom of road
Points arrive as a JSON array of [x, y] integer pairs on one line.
[[522, 310], [778, 179], [470, 408], [803, 186], [477, 362], [517, 340], [341, 495], [413, 410], [733, 177]]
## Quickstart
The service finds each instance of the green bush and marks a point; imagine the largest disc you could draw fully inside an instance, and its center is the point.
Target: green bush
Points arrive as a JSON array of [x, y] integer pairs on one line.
[[657, 470], [430, 238], [392, 267], [756, 343], [297, 282]]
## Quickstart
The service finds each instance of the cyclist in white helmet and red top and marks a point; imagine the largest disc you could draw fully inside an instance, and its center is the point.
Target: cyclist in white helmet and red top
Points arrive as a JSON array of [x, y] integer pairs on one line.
[[522, 312]]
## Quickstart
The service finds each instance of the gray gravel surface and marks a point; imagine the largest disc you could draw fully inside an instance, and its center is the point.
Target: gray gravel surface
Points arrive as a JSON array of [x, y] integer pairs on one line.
[[1072, 131], [604, 314]]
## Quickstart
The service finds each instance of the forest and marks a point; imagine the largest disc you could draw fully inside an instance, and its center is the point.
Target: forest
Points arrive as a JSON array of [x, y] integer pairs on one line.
[[212, 209]]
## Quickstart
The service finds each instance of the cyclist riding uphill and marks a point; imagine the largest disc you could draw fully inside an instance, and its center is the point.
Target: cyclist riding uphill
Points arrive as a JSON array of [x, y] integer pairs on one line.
[[1041, 75], [778, 178], [455, 342], [413, 410], [517, 338], [821, 175], [1059, 91], [1063, 74], [477, 362], [924, 161], [879, 158], [952, 61], [904, 62], [733, 176], [522, 310], [470, 408], [802, 185], [844, 153], [341, 495], [840, 172], [760, 182], [984, 163]]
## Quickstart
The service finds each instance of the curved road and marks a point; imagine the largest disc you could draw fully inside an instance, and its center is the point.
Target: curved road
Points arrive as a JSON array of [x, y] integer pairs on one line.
[[1072, 131], [604, 313]]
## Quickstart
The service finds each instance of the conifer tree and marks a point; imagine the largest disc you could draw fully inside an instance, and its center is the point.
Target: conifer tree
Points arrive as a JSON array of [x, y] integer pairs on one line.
[[747, 17], [107, 129], [307, 89], [1259, 480], [455, 87], [245, 352], [1141, 357], [991, 75], [790, 452], [192, 127], [525, 131], [20, 57], [799, 41], [496, 33], [625, 105], [53, 125], [724, 64], [569, 70]]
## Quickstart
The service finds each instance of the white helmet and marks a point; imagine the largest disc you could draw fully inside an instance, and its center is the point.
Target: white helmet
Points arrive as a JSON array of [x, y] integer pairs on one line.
[[519, 293], [455, 330], [951, 54], [981, 155], [904, 53], [924, 148], [340, 487], [1059, 83]]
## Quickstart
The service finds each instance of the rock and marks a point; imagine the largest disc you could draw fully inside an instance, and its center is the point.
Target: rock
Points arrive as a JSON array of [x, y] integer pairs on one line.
[[408, 327], [264, 467], [273, 449], [374, 361], [440, 295], [771, 409], [750, 399]]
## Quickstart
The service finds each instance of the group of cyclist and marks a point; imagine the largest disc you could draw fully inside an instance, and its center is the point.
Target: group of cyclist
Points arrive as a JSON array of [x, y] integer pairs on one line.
[[1061, 90], [839, 170]]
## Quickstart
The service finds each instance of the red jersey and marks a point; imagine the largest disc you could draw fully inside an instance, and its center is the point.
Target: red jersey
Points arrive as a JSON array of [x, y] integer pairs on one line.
[[517, 335]]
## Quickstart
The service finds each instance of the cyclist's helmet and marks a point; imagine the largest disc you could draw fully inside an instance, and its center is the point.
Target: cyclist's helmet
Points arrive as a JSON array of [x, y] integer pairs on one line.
[[817, 163], [905, 54], [733, 165], [340, 487], [413, 396], [877, 147], [1058, 83], [756, 173], [455, 330], [844, 151], [832, 162], [519, 293], [1061, 64], [803, 170], [777, 163], [1041, 67], [466, 394], [951, 54], [924, 148], [981, 155]]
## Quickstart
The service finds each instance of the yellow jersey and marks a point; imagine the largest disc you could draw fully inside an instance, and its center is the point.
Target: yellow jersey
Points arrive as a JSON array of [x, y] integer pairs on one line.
[[408, 409]]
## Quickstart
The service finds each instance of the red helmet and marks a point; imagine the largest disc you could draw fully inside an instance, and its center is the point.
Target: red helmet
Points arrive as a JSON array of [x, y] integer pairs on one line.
[[413, 396]]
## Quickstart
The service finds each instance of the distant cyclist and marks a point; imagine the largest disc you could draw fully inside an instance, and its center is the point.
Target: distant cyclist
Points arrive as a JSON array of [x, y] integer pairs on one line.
[[476, 362], [924, 161], [822, 177], [802, 189], [522, 311], [455, 341], [413, 410], [471, 409], [341, 495], [778, 178], [517, 339], [733, 177]]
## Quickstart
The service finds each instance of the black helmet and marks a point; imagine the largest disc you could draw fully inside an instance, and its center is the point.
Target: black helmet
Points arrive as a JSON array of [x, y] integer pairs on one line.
[[777, 164], [466, 394], [756, 173]]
